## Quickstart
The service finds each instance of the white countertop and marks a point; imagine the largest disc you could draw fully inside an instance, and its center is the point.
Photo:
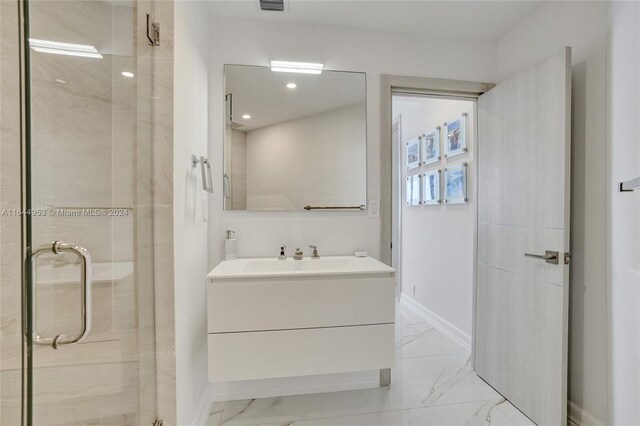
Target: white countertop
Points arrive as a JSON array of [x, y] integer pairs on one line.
[[273, 267]]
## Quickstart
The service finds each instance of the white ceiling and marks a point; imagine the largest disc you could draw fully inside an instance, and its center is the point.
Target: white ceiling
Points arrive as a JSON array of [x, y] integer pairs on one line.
[[471, 19], [264, 95]]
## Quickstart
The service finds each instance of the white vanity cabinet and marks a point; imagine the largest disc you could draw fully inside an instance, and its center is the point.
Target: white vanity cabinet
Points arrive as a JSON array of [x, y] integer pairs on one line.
[[269, 318]]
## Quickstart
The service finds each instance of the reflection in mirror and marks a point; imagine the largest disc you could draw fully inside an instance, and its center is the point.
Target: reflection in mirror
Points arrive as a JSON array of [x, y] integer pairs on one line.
[[294, 140]]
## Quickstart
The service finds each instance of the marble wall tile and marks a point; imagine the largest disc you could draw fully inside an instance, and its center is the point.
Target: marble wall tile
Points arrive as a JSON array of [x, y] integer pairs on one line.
[[93, 233], [89, 78], [90, 391], [125, 304], [81, 22], [163, 131], [10, 232], [58, 309], [91, 148], [166, 385], [164, 278], [71, 150]]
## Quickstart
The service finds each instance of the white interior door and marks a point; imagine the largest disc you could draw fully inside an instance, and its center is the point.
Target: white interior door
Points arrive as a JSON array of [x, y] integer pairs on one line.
[[523, 207]]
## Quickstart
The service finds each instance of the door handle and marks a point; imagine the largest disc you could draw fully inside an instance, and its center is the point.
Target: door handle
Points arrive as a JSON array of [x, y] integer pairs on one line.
[[59, 247], [207, 180], [548, 256]]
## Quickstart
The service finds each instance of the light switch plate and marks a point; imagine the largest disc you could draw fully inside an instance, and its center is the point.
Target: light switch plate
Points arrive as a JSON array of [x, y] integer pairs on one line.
[[374, 208]]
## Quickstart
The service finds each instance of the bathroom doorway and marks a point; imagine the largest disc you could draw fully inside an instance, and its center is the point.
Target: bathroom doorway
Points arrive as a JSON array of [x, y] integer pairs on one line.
[[520, 273], [434, 200]]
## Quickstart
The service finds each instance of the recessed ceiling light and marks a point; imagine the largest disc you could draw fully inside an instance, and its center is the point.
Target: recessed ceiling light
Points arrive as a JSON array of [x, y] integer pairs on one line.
[[127, 74], [69, 49], [300, 67], [292, 85], [246, 116]]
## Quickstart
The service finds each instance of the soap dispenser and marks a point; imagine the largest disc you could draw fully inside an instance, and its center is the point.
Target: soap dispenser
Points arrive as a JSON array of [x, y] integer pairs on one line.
[[230, 246]]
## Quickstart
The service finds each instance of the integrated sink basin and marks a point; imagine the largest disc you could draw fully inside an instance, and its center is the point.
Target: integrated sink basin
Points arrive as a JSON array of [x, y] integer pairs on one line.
[[271, 318], [330, 265]]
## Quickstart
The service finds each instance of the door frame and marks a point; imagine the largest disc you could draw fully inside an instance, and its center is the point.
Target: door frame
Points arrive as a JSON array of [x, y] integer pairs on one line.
[[395, 203], [434, 88]]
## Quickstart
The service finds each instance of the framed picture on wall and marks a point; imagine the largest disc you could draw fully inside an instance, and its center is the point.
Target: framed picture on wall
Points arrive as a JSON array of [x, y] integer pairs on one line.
[[455, 184], [413, 190], [412, 154], [455, 136], [431, 187], [431, 146]]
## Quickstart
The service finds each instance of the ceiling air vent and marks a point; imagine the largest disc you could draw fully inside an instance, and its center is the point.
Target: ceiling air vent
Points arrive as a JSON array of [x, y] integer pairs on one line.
[[272, 5]]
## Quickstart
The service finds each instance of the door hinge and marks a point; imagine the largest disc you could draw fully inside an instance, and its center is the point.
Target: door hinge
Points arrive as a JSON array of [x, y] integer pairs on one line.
[[567, 258], [153, 31]]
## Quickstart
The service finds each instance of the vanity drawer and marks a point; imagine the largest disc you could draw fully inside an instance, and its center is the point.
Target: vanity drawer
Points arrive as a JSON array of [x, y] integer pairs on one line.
[[272, 304], [286, 353]]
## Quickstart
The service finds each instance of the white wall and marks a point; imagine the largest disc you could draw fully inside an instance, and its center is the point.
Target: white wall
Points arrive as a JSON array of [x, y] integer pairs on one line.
[[438, 240], [623, 213], [581, 25], [256, 42], [318, 160], [191, 51]]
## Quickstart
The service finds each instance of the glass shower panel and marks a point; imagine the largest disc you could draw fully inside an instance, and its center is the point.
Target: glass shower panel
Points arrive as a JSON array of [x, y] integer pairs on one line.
[[90, 99]]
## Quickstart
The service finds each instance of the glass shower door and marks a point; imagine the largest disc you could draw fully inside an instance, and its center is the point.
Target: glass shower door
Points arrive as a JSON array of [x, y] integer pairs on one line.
[[90, 310]]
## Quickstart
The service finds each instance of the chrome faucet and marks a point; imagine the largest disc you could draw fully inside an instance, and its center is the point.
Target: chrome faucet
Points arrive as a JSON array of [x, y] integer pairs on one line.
[[315, 254], [298, 254], [282, 256]]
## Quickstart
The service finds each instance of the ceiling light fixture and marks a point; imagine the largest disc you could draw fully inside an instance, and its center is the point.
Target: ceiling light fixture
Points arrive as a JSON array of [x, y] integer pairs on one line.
[[127, 74], [69, 49], [246, 116], [292, 85], [299, 67]]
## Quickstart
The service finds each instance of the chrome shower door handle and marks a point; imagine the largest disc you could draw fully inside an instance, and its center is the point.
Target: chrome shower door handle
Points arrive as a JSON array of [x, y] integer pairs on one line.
[[59, 247], [207, 180], [549, 256]]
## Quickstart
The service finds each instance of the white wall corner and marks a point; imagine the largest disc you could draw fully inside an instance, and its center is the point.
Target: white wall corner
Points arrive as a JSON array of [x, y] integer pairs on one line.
[[201, 414], [576, 416], [439, 322]]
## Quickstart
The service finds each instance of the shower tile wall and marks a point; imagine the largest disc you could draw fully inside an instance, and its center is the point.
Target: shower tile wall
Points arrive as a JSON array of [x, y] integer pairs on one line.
[[10, 245], [90, 127], [99, 140], [163, 247]]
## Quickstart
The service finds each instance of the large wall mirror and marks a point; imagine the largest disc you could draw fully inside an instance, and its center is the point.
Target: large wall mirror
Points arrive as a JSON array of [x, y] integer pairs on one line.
[[294, 141]]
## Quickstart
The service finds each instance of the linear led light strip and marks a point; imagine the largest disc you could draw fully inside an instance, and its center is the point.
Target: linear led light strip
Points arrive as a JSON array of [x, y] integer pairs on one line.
[[69, 49], [299, 67]]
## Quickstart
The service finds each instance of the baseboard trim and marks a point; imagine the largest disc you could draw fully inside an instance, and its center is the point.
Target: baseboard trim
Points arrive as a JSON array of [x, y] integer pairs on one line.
[[267, 388], [435, 319], [576, 416]]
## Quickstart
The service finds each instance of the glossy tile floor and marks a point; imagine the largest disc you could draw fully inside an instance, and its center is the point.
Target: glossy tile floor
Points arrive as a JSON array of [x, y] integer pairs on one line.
[[432, 384]]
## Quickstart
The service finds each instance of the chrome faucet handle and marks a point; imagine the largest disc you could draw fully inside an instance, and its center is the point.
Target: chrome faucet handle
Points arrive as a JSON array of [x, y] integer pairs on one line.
[[315, 254], [282, 256]]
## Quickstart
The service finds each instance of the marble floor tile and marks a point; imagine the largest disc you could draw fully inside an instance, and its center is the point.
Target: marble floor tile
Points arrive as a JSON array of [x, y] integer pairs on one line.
[[398, 396], [473, 413], [407, 319], [215, 413], [425, 341], [445, 379]]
